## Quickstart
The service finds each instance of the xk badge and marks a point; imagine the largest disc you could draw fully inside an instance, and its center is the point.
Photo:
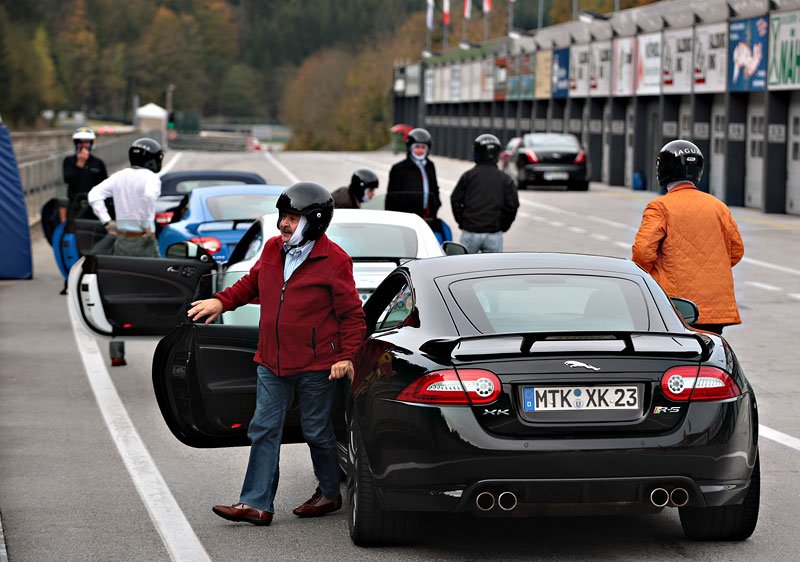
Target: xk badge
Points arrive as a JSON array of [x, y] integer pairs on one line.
[[573, 364], [495, 412]]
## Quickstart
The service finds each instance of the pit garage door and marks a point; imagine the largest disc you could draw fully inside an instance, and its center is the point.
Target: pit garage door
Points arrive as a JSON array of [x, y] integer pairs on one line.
[[793, 157], [754, 167], [716, 170]]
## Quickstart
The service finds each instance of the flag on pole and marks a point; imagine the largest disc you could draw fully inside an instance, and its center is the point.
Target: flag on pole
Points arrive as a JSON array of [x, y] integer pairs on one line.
[[487, 6], [446, 10], [429, 18], [467, 9]]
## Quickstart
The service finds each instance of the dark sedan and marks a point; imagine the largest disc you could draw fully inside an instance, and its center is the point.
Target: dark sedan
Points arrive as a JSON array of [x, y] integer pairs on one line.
[[499, 385], [542, 159]]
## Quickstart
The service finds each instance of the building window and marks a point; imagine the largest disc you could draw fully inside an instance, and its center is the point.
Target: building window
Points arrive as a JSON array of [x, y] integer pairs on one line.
[[796, 125], [796, 151]]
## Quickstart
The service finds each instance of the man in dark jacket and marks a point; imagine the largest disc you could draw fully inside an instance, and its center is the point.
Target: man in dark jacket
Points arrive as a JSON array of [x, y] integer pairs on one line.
[[362, 188], [310, 329], [82, 170], [484, 200], [412, 184]]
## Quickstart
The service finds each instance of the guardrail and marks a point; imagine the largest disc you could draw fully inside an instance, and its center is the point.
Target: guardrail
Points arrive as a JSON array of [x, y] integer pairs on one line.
[[227, 142], [43, 179]]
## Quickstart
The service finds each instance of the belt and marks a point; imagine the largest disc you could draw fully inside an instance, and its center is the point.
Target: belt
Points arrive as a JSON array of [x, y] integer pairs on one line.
[[134, 234]]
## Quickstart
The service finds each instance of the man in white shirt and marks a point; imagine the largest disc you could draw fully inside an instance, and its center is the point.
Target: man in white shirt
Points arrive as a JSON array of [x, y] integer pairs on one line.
[[134, 191]]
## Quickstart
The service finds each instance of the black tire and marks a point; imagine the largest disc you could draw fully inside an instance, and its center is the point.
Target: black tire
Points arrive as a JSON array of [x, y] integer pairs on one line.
[[578, 186], [725, 523], [369, 524]]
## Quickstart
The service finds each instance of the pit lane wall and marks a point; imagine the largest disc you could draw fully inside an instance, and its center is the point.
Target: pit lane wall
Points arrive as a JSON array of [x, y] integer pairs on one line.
[[723, 74]]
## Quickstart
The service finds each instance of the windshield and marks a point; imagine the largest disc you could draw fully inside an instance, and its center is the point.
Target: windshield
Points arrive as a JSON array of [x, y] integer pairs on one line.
[[374, 240], [551, 303], [182, 187], [249, 206], [554, 142]]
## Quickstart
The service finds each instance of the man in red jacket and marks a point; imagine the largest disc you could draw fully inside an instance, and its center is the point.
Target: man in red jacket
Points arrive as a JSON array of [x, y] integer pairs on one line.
[[310, 328]]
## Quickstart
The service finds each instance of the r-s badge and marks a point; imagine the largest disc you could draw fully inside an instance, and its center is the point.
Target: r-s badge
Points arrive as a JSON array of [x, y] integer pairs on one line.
[[666, 409]]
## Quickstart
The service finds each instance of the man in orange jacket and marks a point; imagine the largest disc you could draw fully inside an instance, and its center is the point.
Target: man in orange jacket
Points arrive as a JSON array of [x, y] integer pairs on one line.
[[688, 240]]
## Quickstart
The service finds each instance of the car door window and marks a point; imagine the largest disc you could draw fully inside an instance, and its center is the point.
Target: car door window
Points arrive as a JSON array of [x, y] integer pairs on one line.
[[398, 309]]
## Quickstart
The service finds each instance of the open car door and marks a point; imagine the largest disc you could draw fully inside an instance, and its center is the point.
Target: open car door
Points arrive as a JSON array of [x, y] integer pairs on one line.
[[204, 378], [118, 296]]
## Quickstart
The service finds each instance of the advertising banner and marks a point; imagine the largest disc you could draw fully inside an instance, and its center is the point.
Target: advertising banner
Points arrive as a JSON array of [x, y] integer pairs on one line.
[[561, 72], [622, 69], [500, 78], [600, 69], [677, 62], [528, 65], [648, 64], [784, 51], [455, 83], [747, 55], [413, 79], [512, 72], [579, 71], [428, 85], [544, 76], [710, 58], [487, 80]]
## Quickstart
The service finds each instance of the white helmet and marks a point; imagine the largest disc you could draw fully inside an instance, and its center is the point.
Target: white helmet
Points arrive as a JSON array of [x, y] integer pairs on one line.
[[83, 134]]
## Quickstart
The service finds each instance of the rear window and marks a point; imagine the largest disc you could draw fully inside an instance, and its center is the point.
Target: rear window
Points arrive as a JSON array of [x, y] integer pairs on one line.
[[551, 303], [231, 207], [183, 187], [552, 141], [374, 240]]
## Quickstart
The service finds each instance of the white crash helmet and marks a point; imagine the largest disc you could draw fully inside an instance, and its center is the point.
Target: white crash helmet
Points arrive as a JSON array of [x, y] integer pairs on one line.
[[83, 134]]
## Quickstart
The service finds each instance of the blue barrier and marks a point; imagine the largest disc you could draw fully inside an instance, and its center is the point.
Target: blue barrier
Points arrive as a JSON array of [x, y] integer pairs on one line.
[[14, 229]]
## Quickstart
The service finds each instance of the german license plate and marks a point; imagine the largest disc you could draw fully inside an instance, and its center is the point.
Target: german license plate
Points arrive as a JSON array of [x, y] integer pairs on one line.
[[552, 176], [573, 398]]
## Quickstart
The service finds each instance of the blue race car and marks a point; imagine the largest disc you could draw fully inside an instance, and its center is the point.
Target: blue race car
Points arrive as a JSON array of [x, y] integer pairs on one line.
[[217, 217]]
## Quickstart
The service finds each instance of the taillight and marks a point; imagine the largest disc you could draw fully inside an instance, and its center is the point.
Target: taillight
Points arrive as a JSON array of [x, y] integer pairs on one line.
[[686, 383], [164, 218], [209, 243], [468, 386], [532, 158], [581, 157]]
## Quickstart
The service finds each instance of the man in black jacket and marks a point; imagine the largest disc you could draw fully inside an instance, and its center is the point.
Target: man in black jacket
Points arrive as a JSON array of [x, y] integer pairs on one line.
[[412, 184], [484, 200], [361, 189], [82, 170]]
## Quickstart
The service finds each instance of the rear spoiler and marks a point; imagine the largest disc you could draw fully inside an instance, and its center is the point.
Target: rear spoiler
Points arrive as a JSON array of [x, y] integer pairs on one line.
[[232, 224], [381, 259], [446, 348]]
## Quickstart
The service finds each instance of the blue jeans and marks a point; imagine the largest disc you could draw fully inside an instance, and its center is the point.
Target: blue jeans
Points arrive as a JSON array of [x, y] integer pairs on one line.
[[484, 242], [274, 395]]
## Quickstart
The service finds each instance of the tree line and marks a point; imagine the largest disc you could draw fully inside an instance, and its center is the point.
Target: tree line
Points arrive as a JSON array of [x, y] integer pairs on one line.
[[323, 67]]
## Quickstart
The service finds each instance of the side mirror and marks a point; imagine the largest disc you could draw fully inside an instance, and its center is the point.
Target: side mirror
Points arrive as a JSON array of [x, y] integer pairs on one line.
[[686, 308], [454, 249], [188, 250]]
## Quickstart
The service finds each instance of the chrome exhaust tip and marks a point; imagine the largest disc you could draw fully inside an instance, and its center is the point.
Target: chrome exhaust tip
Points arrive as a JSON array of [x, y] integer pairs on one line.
[[659, 497], [484, 501], [507, 501], [679, 497]]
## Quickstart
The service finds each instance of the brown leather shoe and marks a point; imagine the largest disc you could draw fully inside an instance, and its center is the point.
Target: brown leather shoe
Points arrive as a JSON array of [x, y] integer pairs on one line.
[[318, 505], [243, 513]]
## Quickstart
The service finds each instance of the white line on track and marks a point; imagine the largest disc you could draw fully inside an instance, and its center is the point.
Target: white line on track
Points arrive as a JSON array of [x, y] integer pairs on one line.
[[577, 229], [795, 295], [771, 266], [283, 169], [778, 437], [601, 237], [764, 286], [557, 224], [626, 245], [168, 519], [171, 163]]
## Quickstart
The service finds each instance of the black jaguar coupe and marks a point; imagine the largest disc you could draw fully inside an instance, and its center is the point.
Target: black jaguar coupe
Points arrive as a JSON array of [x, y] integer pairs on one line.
[[509, 385]]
